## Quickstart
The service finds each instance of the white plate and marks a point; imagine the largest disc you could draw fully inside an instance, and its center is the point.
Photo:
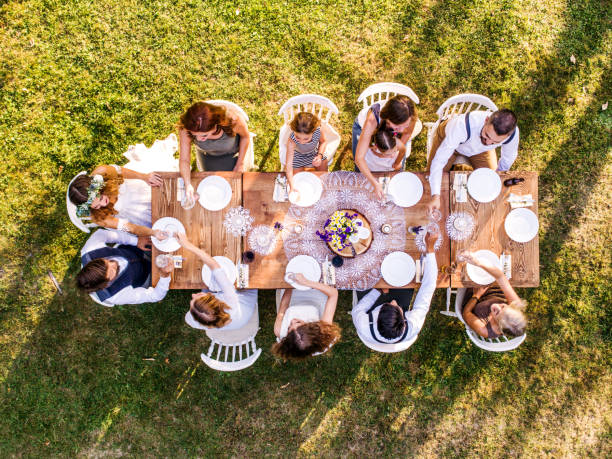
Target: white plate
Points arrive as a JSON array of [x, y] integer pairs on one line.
[[171, 225], [484, 184], [406, 189], [215, 192], [521, 225], [309, 187], [479, 275], [398, 269], [306, 265], [228, 267]]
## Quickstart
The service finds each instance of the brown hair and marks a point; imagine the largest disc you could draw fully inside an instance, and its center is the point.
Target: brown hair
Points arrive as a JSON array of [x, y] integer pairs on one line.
[[305, 123], [210, 311], [78, 194], [202, 117], [92, 276], [307, 339], [503, 121], [398, 109], [512, 318], [383, 137]]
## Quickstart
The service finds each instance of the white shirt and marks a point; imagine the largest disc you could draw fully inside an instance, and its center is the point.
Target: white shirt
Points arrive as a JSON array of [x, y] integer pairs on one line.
[[378, 164], [242, 303], [456, 135], [128, 295], [414, 318]]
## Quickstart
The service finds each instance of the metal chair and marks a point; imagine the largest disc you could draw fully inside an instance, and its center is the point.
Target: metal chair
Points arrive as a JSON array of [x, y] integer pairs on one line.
[[233, 350], [500, 344], [381, 93], [249, 158], [320, 106], [381, 347], [457, 105], [71, 208]]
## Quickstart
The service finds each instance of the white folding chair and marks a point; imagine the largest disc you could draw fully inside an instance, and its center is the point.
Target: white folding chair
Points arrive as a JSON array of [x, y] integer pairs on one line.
[[95, 298], [310, 297], [322, 107], [381, 347], [500, 344], [71, 208], [457, 105], [233, 350], [249, 158]]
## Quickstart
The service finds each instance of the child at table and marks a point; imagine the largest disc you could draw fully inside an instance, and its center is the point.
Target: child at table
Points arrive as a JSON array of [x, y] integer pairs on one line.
[[306, 145], [386, 152]]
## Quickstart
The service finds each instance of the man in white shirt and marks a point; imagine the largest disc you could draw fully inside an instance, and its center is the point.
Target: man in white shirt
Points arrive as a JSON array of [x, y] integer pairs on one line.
[[474, 135], [383, 319], [122, 274]]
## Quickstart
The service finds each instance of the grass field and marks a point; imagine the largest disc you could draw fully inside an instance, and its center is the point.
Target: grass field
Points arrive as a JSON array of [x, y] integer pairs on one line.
[[80, 81]]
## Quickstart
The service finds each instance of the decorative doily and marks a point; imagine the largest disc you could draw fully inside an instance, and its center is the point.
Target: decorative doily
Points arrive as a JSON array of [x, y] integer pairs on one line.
[[460, 225], [262, 239], [346, 190], [238, 221]]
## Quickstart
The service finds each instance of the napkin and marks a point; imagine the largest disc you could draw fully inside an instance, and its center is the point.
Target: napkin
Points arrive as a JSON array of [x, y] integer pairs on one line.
[[243, 275], [329, 273], [460, 187], [506, 261], [280, 189], [180, 189], [418, 271], [384, 181], [517, 200]]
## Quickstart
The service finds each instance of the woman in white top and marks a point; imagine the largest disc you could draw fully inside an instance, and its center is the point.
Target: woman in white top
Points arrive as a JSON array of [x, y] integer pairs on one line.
[[386, 152], [304, 328], [227, 309]]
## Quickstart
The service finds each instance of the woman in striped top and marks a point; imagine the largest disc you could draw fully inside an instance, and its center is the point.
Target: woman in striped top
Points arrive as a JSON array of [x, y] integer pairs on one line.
[[306, 145]]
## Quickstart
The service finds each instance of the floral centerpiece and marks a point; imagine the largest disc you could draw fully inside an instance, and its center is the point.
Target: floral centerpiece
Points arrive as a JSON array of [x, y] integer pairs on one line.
[[338, 229]]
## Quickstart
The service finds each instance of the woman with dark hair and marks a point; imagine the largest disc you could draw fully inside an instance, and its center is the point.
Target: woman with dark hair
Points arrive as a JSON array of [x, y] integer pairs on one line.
[[400, 115], [387, 151], [117, 198], [221, 138], [302, 328]]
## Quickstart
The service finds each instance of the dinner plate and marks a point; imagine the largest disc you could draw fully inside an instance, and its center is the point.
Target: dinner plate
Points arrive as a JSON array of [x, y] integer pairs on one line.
[[170, 225], [484, 184], [406, 189], [398, 269], [228, 267], [521, 225], [309, 187], [215, 192], [479, 275], [305, 265]]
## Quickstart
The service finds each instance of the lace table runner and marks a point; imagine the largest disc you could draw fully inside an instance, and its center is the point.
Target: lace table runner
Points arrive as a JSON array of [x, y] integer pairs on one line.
[[346, 190]]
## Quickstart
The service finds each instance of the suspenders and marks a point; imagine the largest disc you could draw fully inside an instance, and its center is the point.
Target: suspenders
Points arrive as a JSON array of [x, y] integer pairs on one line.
[[469, 131], [371, 320]]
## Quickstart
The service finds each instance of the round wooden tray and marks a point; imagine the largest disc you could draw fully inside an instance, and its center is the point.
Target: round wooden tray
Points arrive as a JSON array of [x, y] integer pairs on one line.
[[358, 247]]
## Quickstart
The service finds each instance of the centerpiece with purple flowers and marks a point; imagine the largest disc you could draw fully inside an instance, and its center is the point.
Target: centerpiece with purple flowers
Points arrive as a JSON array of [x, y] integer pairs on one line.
[[347, 233]]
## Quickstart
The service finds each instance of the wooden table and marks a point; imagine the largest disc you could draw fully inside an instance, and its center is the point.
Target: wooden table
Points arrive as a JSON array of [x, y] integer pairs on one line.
[[203, 227], [489, 232], [268, 271]]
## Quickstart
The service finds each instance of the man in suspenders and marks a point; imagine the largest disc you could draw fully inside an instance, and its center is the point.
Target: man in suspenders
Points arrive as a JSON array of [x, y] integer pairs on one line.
[[386, 318], [475, 135], [121, 274]]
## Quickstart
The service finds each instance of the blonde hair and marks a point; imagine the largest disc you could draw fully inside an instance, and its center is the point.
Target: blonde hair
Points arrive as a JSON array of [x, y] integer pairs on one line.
[[210, 311], [307, 339], [512, 318]]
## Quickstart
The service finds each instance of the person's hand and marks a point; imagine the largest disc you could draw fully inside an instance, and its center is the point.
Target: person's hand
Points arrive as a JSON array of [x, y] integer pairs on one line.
[[468, 256], [316, 162], [167, 270], [434, 203], [239, 167], [144, 243], [182, 238], [480, 291], [160, 235], [154, 179], [378, 191], [430, 240], [189, 191]]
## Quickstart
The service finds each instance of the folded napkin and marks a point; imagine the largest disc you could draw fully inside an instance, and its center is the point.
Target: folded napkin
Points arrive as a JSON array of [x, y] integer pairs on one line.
[[180, 189], [460, 187], [517, 200], [243, 275], [329, 273], [384, 181], [417, 278], [280, 189], [506, 261]]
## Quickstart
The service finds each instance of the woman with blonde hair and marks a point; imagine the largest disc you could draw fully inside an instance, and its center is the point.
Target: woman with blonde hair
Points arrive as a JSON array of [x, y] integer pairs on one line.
[[304, 330], [493, 310], [227, 309]]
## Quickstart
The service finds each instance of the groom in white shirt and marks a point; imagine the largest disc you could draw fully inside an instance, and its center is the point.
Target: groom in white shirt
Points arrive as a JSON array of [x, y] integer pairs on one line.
[[386, 319], [474, 135]]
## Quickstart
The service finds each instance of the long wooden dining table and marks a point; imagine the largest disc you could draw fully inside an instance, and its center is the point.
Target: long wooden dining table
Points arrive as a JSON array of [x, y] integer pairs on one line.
[[254, 191]]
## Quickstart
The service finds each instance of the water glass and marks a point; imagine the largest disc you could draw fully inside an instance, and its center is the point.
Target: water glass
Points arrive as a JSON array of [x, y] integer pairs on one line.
[[162, 260], [188, 201]]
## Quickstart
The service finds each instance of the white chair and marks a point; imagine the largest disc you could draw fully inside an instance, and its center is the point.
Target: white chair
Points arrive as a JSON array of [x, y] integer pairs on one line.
[[322, 107], [381, 93], [500, 344], [249, 157], [233, 350], [381, 347], [457, 105], [71, 208], [95, 298], [311, 297]]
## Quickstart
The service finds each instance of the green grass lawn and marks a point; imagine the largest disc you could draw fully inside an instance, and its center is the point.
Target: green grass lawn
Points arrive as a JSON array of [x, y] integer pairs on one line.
[[80, 81]]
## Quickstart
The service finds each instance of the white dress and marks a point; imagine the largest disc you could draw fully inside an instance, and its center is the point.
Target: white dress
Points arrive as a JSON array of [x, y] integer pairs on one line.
[[377, 164]]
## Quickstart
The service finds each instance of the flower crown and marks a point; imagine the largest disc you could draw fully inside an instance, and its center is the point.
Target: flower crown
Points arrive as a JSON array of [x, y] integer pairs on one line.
[[93, 191]]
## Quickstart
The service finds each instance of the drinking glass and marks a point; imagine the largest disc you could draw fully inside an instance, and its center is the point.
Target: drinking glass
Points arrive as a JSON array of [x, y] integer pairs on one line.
[[162, 260], [435, 215], [188, 201]]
